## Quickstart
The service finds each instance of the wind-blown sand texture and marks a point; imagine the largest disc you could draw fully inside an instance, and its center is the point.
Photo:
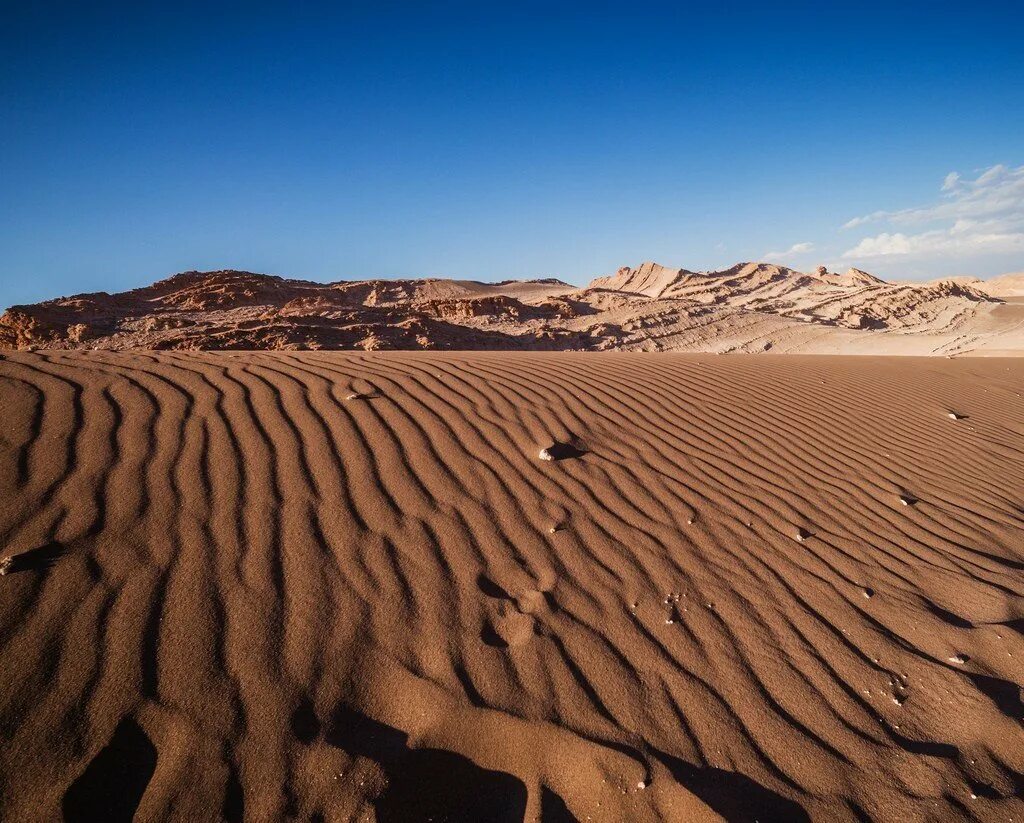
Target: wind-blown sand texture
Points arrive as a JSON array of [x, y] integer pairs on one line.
[[773, 588]]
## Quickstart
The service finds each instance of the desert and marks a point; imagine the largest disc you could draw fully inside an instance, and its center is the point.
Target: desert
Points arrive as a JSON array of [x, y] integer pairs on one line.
[[523, 412], [345, 586]]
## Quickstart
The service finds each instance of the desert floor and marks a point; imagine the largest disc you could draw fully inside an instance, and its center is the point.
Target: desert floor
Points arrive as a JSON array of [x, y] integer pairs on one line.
[[337, 586]]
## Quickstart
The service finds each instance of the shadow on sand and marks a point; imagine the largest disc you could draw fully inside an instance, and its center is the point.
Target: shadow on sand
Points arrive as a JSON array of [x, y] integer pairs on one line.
[[36, 559], [734, 796], [111, 787], [427, 784]]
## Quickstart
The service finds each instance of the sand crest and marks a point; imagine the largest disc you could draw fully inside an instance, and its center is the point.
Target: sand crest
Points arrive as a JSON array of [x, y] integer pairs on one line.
[[233, 593]]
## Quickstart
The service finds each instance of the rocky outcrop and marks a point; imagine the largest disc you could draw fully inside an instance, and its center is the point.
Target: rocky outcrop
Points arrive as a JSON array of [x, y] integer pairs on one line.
[[747, 307]]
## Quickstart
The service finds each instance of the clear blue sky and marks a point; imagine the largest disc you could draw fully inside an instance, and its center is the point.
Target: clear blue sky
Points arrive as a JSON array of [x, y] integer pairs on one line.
[[504, 140]]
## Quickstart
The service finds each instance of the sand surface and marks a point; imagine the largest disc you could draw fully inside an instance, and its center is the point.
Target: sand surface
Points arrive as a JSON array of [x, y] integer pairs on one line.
[[344, 586]]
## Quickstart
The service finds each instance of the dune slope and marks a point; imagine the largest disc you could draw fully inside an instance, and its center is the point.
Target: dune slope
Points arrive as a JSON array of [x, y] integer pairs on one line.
[[335, 586]]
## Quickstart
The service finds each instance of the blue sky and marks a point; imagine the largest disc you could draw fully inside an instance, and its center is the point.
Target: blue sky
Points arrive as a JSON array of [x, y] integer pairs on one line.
[[504, 140]]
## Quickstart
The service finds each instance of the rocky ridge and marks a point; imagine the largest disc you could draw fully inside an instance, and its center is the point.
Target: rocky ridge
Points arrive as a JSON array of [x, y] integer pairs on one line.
[[747, 307]]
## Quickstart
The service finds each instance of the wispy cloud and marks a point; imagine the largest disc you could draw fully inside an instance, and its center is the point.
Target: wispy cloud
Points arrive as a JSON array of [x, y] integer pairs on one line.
[[793, 251], [971, 217]]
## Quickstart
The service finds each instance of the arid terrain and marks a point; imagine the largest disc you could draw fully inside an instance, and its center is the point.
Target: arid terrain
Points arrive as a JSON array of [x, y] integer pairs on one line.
[[751, 307], [333, 586]]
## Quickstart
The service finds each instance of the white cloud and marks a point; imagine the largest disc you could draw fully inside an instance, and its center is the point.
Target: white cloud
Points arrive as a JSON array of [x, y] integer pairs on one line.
[[792, 251], [959, 239], [992, 174], [972, 217], [860, 221]]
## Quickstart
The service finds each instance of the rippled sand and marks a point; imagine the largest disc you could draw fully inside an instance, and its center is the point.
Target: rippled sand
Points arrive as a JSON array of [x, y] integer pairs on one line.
[[342, 586]]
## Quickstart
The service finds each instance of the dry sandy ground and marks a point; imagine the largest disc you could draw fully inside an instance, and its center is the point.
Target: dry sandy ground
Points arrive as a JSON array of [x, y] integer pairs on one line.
[[337, 586]]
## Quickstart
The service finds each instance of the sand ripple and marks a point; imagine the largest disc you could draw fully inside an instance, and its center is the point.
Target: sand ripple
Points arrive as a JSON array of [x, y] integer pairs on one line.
[[238, 593]]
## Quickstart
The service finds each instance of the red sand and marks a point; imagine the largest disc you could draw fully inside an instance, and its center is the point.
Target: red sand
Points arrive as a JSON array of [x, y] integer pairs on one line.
[[237, 592]]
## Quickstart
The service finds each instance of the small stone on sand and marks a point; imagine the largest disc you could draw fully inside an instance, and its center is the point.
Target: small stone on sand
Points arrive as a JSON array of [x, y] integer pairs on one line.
[[561, 451]]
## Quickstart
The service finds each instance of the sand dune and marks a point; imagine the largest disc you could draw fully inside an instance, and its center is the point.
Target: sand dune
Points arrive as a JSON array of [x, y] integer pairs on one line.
[[774, 588], [1005, 285], [749, 307]]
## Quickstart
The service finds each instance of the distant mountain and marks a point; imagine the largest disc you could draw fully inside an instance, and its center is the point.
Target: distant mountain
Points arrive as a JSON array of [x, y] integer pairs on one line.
[[854, 299], [1005, 285], [748, 307]]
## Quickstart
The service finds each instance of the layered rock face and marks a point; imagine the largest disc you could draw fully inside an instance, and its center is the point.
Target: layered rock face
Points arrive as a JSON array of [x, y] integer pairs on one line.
[[747, 307]]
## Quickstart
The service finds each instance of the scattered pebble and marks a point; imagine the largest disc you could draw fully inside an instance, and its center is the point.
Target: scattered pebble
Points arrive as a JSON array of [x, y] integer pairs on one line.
[[869, 593], [39, 558], [802, 534], [959, 659], [561, 451], [955, 416]]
